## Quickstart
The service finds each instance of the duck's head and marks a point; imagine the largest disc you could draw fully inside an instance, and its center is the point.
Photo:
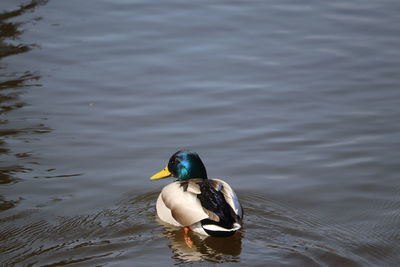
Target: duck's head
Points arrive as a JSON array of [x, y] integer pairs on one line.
[[183, 165]]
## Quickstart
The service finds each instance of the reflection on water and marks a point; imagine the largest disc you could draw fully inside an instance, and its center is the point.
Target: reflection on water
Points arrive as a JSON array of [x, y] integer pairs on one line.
[[212, 249], [15, 130], [7, 204], [12, 31], [129, 230], [272, 234]]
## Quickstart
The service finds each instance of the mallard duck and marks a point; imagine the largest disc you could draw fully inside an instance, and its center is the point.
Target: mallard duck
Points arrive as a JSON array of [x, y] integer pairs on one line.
[[206, 206]]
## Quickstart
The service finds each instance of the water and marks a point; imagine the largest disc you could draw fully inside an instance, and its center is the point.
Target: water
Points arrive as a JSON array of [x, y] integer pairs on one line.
[[296, 105]]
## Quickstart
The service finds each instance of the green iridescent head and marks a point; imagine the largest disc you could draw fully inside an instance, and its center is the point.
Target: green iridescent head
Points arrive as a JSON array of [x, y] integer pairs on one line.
[[183, 165]]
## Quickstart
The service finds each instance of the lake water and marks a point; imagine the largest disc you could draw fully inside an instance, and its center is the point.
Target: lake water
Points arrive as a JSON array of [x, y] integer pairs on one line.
[[296, 104]]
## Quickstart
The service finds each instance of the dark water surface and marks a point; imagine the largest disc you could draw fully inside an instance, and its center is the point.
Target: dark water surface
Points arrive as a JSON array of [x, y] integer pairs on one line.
[[295, 103]]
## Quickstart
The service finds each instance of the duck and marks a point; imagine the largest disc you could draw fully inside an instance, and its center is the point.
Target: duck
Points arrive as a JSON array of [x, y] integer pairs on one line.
[[209, 207]]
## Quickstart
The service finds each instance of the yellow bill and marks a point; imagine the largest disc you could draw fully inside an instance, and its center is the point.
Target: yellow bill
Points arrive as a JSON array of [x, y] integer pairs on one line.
[[161, 174]]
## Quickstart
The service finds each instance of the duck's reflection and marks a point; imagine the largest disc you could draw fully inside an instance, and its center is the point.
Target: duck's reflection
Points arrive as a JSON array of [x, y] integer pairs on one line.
[[212, 249], [14, 152]]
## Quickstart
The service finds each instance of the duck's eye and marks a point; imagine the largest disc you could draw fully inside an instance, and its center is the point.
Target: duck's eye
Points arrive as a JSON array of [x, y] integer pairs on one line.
[[174, 161]]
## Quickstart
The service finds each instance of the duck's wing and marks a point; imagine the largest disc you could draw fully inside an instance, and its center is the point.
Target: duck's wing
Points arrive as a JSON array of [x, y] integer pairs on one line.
[[229, 195], [181, 199], [221, 204]]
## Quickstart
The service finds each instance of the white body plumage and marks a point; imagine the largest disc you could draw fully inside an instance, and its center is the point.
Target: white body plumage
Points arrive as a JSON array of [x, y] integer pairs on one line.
[[185, 203]]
